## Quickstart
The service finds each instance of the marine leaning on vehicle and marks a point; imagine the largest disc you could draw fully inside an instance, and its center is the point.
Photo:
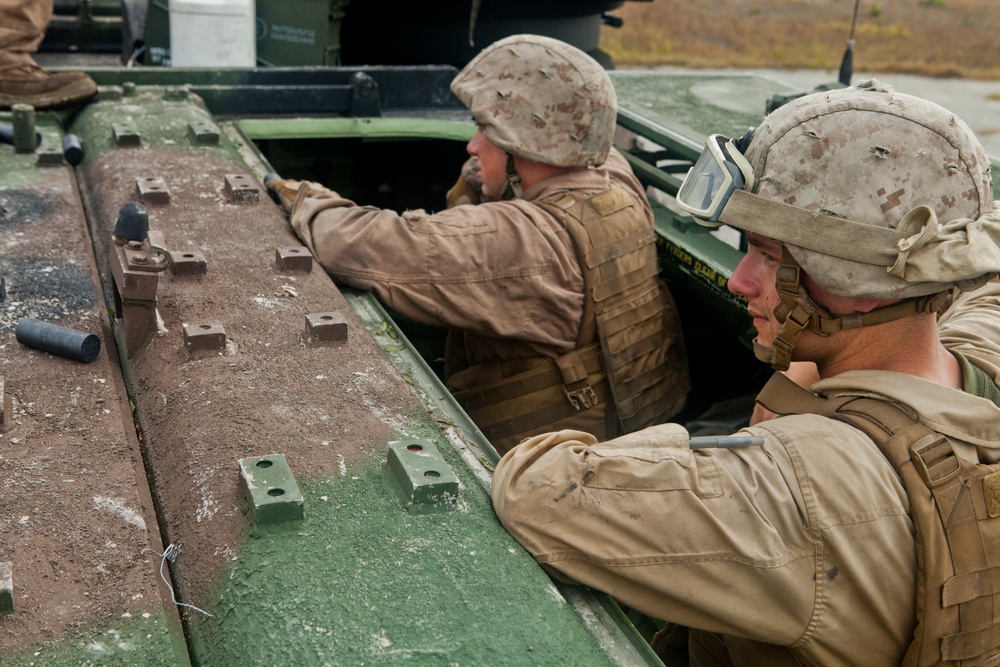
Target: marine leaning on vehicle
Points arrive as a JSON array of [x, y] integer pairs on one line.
[[863, 209]]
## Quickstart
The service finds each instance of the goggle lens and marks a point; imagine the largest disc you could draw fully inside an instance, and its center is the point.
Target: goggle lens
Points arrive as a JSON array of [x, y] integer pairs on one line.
[[709, 184]]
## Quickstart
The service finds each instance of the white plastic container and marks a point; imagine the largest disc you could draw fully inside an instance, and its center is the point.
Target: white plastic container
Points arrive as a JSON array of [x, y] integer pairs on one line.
[[213, 33]]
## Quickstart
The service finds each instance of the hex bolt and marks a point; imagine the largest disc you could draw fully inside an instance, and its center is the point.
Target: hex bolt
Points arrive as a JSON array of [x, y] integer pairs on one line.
[[57, 339]]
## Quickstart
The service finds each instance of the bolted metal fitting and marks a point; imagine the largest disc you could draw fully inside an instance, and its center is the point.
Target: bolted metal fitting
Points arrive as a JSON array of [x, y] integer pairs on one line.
[[270, 489], [204, 339], [325, 329], [293, 258]]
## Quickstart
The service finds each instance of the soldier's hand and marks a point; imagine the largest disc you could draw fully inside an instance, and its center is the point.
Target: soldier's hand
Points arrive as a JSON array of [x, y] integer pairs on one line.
[[285, 189], [469, 187]]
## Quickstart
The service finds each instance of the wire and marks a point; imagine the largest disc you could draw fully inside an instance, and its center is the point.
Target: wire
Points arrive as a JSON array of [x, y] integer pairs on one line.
[[171, 553]]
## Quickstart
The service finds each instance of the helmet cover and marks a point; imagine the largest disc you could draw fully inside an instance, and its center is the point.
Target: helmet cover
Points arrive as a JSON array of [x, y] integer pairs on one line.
[[872, 155], [541, 99]]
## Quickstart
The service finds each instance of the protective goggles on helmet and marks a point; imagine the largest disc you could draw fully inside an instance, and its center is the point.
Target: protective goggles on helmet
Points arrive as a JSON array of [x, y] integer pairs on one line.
[[719, 171]]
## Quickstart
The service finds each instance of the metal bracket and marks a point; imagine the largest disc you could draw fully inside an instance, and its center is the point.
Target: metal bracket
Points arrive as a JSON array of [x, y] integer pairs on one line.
[[426, 481], [270, 488]]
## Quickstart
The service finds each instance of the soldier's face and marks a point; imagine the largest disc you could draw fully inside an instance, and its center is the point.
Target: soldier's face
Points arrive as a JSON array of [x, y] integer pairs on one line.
[[754, 279], [492, 164]]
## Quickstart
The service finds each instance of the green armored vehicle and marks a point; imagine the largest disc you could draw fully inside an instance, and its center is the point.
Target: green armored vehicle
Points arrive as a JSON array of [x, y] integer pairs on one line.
[[219, 457]]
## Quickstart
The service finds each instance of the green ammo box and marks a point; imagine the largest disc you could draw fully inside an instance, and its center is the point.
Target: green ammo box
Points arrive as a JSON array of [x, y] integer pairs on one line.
[[299, 32]]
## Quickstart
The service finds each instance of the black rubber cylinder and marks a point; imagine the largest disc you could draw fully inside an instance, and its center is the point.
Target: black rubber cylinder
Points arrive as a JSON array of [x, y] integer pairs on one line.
[[132, 223], [72, 150], [57, 339]]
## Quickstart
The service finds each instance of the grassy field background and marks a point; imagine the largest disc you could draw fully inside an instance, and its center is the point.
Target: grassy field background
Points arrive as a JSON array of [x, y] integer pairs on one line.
[[939, 38]]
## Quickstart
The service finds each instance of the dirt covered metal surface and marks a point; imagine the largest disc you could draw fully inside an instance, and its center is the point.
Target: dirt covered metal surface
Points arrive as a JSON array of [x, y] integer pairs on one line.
[[75, 515], [269, 390], [237, 349]]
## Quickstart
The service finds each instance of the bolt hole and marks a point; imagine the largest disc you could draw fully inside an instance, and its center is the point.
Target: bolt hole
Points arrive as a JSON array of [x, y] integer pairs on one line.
[[204, 326], [294, 251], [264, 464], [415, 448], [432, 473], [275, 492], [326, 318], [187, 255]]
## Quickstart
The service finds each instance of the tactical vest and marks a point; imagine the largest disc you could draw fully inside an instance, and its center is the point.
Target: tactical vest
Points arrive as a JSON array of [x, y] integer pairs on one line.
[[955, 506], [628, 369]]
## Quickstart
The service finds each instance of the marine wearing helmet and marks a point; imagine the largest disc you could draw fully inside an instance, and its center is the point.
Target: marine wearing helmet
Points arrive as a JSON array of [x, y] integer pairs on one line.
[[549, 289], [858, 530]]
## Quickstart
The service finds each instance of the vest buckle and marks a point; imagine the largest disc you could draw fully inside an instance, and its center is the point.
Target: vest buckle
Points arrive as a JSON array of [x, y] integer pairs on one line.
[[582, 398]]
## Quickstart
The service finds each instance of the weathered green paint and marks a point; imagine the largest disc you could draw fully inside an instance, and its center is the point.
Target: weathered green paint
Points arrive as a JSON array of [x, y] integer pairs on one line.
[[271, 489], [123, 642], [23, 169], [361, 580], [423, 477], [150, 117]]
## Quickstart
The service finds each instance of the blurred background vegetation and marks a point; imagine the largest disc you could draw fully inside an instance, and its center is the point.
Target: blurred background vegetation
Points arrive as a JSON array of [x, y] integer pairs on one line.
[[939, 38]]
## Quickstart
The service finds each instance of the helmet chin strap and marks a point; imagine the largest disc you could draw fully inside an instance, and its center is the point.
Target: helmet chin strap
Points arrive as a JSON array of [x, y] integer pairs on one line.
[[512, 189], [795, 313], [798, 311]]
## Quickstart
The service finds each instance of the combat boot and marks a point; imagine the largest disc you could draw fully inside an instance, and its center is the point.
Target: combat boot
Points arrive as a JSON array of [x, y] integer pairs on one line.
[[30, 84]]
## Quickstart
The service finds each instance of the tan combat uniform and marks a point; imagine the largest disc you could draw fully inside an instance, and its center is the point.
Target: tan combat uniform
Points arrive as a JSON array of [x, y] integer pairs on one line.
[[22, 28], [504, 276], [805, 542]]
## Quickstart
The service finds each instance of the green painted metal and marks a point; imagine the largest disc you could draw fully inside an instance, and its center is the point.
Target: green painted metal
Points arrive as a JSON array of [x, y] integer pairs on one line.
[[127, 641], [685, 108], [602, 616], [362, 580], [271, 489], [364, 128], [360, 577], [424, 478]]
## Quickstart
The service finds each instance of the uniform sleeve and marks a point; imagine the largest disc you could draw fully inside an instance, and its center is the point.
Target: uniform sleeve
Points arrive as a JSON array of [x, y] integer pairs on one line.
[[502, 269], [768, 542], [971, 325]]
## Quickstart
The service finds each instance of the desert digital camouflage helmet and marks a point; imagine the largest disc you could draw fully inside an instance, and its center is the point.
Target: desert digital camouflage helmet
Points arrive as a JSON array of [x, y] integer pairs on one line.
[[874, 194], [541, 99]]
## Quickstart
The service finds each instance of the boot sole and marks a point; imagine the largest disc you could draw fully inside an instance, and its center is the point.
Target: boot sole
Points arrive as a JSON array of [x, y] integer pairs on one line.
[[74, 93]]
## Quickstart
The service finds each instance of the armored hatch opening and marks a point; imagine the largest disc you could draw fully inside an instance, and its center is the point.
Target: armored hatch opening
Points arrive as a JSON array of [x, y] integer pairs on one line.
[[409, 172], [397, 174]]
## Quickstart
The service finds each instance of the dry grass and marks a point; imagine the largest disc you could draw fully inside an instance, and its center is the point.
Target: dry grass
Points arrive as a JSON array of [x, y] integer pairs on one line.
[[944, 38]]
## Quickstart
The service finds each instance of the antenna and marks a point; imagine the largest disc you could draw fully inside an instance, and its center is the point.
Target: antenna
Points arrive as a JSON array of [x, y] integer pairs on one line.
[[847, 64]]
